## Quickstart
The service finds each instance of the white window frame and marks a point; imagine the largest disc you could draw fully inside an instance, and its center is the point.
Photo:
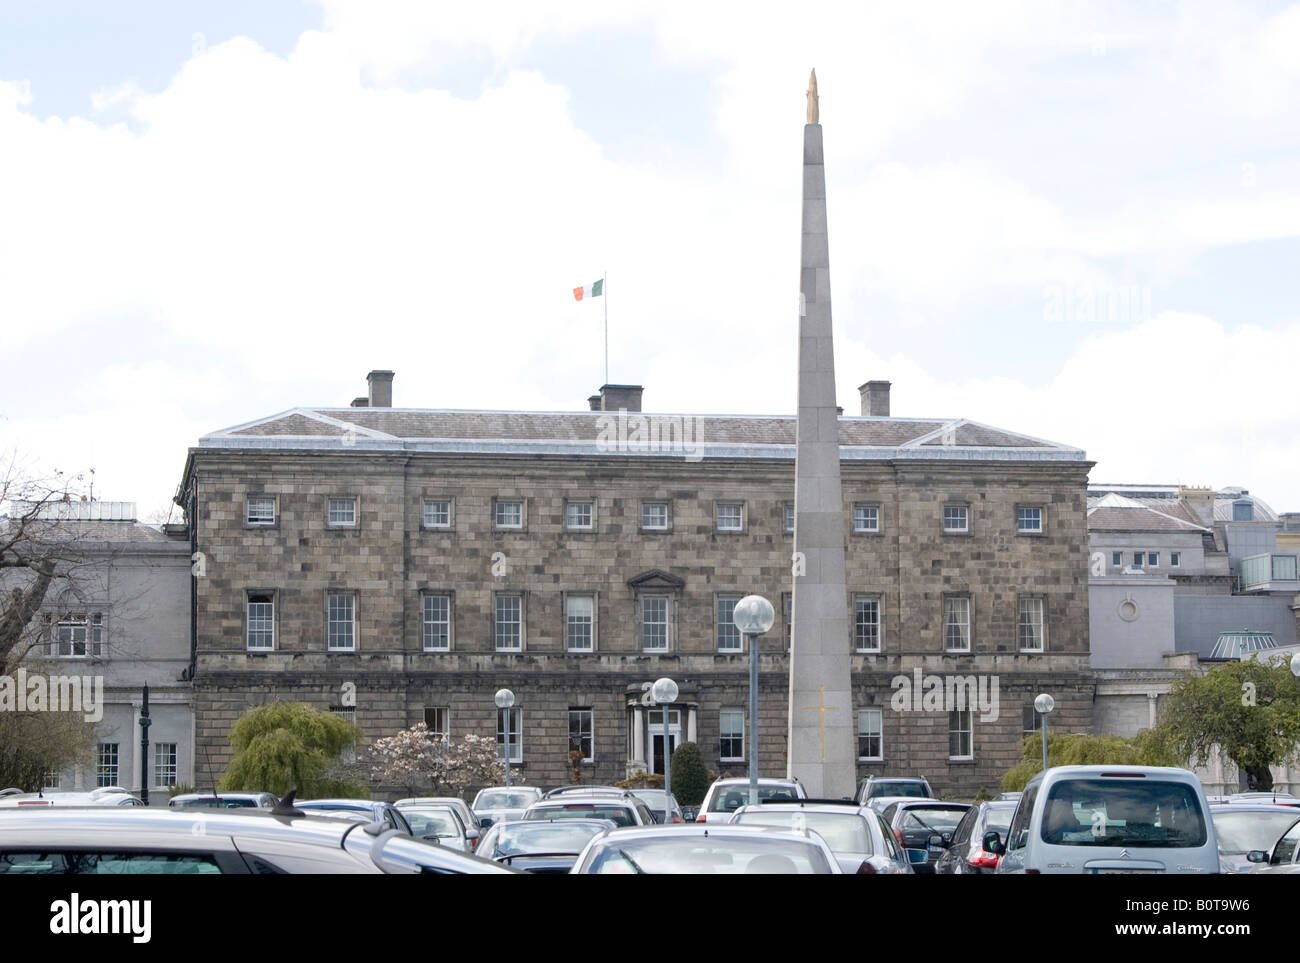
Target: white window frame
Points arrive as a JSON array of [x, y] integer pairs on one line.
[[667, 623], [516, 724], [571, 621], [249, 619], [330, 621], [860, 515], [968, 731], [428, 626], [1023, 516], [739, 508], [497, 511], [590, 731], [341, 501], [260, 520], [1153, 559], [440, 732], [578, 503], [667, 515], [1117, 559], [426, 513], [165, 763], [85, 630], [965, 519], [864, 732], [1175, 559], [965, 623], [498, 623], [787, 517], [737, 733], [726, 629], [1041, 605], [106, 773], [879, 624]]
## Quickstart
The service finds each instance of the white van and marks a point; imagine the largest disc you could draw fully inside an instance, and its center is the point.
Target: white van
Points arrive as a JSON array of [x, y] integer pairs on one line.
[[1109, 819]]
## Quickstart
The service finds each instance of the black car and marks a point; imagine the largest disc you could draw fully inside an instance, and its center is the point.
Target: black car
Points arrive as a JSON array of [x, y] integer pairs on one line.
[[966, 854], [914, 823]]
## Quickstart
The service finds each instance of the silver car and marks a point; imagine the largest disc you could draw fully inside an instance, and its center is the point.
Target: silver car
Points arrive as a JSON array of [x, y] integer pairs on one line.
[[856, 834], [99, 841], [113, 796], [440, 824], [695, 848], [466, 814], [497, 803]]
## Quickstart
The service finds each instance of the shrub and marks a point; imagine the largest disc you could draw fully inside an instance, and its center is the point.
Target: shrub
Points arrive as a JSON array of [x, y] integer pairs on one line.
[[690, 777]]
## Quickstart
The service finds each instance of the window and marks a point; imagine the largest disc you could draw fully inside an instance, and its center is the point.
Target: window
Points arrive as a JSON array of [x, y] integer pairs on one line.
[[261, 510], [349, 715], [106, 764], [1243, 512], [956, 623], [787, 515], [342, 512], [580, 730], [437, 513], [579, 622], [866, 518], [1031, 720], [654, 623], [1174, 559], [508, 623], [787, 616], [52, 780], [340, 621], [728, 635], [870, 734], [1032, 629], [437, 622], [955, 518], [164, 764], [1029, 519], [80, 636], [730, 516], [1153, 559], [731, 726], [654, 516], [1138, 559], [579, 516], [509, 514], [866, 624], [516, 719], [437, 719], [1117, 559], [1284, 568], [261, 621], [960, 734]]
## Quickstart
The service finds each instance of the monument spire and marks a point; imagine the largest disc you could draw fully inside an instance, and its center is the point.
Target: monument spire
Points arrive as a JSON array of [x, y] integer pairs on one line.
[[821, 732]]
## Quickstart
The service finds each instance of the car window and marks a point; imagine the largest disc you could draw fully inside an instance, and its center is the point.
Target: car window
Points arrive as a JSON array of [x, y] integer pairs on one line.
[[1285, 852], [433, 822], [843, 832], [1242, 832], [107, 863], [932, 820], [962, 833], [709, 855], [891, 842], [1017, 832], [1127, 812]]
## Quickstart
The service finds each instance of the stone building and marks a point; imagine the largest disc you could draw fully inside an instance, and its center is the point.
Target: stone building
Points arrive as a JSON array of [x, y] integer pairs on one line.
[[400, 565]]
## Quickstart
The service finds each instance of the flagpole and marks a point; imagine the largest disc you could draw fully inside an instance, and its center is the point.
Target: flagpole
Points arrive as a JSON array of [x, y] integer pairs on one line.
[[604, 297]]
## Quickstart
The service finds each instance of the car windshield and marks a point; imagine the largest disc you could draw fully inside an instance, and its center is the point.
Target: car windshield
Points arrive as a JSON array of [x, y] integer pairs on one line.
[[899, 789], [731, 798], [619, 815], [654, 798], [933, 820], [997, 819], [843, 832], [712, 854], [1123, 812], [218, 802], [1243, 832], [432, 822], [543, 838], [506, 799]]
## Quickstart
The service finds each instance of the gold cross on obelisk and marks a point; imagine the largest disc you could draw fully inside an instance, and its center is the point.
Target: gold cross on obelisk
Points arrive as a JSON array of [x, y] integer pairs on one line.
[[823, 708]]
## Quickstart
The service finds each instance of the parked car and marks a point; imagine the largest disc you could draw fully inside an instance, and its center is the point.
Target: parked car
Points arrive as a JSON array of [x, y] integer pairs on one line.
[[623, 810], [584, 790], [225, 800], [500, 802], [375, 810], [725, 796], [874, 786], [1282, 798], [466, 814], [104, 841], [882, 803], [696, 848], [862, 843], [916, 821], [111, 796], [656, 800], [1240, 829], [545, 846], [965, 855], [1109, 819], [440, 824], [1284, 856]]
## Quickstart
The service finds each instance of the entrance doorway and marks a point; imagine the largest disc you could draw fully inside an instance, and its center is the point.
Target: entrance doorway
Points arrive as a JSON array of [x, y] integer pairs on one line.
[[655, 737]]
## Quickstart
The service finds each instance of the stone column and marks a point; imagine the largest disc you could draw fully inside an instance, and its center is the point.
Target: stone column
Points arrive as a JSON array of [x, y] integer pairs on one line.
[[638, 737], [691, 710]]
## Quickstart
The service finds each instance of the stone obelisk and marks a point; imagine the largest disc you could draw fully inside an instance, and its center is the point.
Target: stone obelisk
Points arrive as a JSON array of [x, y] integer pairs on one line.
[[821, 736]]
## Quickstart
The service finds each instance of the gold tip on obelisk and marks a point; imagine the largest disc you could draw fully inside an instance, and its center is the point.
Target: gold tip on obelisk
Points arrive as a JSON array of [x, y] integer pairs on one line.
[[812, 98]]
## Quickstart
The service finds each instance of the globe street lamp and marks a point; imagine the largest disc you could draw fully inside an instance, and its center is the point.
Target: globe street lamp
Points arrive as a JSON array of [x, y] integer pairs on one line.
[[504, 700], [753, 616], [1044, 704], [664, 692], [1295, 665]]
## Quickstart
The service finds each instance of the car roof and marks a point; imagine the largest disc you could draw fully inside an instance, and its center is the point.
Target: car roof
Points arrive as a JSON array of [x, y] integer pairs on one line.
[[1167, 773], [342, 803], [142, 821], [847, 808]]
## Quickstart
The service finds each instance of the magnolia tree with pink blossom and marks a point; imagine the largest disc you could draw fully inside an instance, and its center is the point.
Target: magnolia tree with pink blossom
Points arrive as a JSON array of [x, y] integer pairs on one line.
[[418, 761]]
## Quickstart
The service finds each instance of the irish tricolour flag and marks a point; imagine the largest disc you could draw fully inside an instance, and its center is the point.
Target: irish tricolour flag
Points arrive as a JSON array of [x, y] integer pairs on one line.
[[592, 290]]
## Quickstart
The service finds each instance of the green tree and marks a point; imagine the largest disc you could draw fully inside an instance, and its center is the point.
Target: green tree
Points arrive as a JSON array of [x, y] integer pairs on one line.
[[1073, 749], [690, 777], [1250, 710], [288, 745]]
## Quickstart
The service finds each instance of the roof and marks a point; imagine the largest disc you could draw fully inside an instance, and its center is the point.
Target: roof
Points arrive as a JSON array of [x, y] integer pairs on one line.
[[625, 433], [1235, 645]]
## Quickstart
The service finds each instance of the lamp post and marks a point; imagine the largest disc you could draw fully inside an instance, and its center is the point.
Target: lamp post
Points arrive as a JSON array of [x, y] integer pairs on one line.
[[504, 700], [753, 616], [1044, 704], [664, 692], [145, 722]]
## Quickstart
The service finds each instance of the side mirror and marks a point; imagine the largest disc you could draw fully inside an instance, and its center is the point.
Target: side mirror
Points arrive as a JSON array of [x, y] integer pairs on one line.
[[1257, 856], [992, 843], [433, 838], [935, 842]]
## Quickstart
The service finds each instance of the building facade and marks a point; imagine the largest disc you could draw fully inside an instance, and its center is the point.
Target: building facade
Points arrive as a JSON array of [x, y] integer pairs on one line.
[[401, 565]]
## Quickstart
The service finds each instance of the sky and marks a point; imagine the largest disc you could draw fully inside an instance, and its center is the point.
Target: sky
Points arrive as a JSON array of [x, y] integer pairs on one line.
[[1079, 221]]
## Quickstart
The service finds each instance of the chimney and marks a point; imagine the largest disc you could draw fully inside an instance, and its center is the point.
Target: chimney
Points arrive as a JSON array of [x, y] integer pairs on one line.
[[594, 402], [1200, 500], [875, 398], [381, 389], [614, 397]]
